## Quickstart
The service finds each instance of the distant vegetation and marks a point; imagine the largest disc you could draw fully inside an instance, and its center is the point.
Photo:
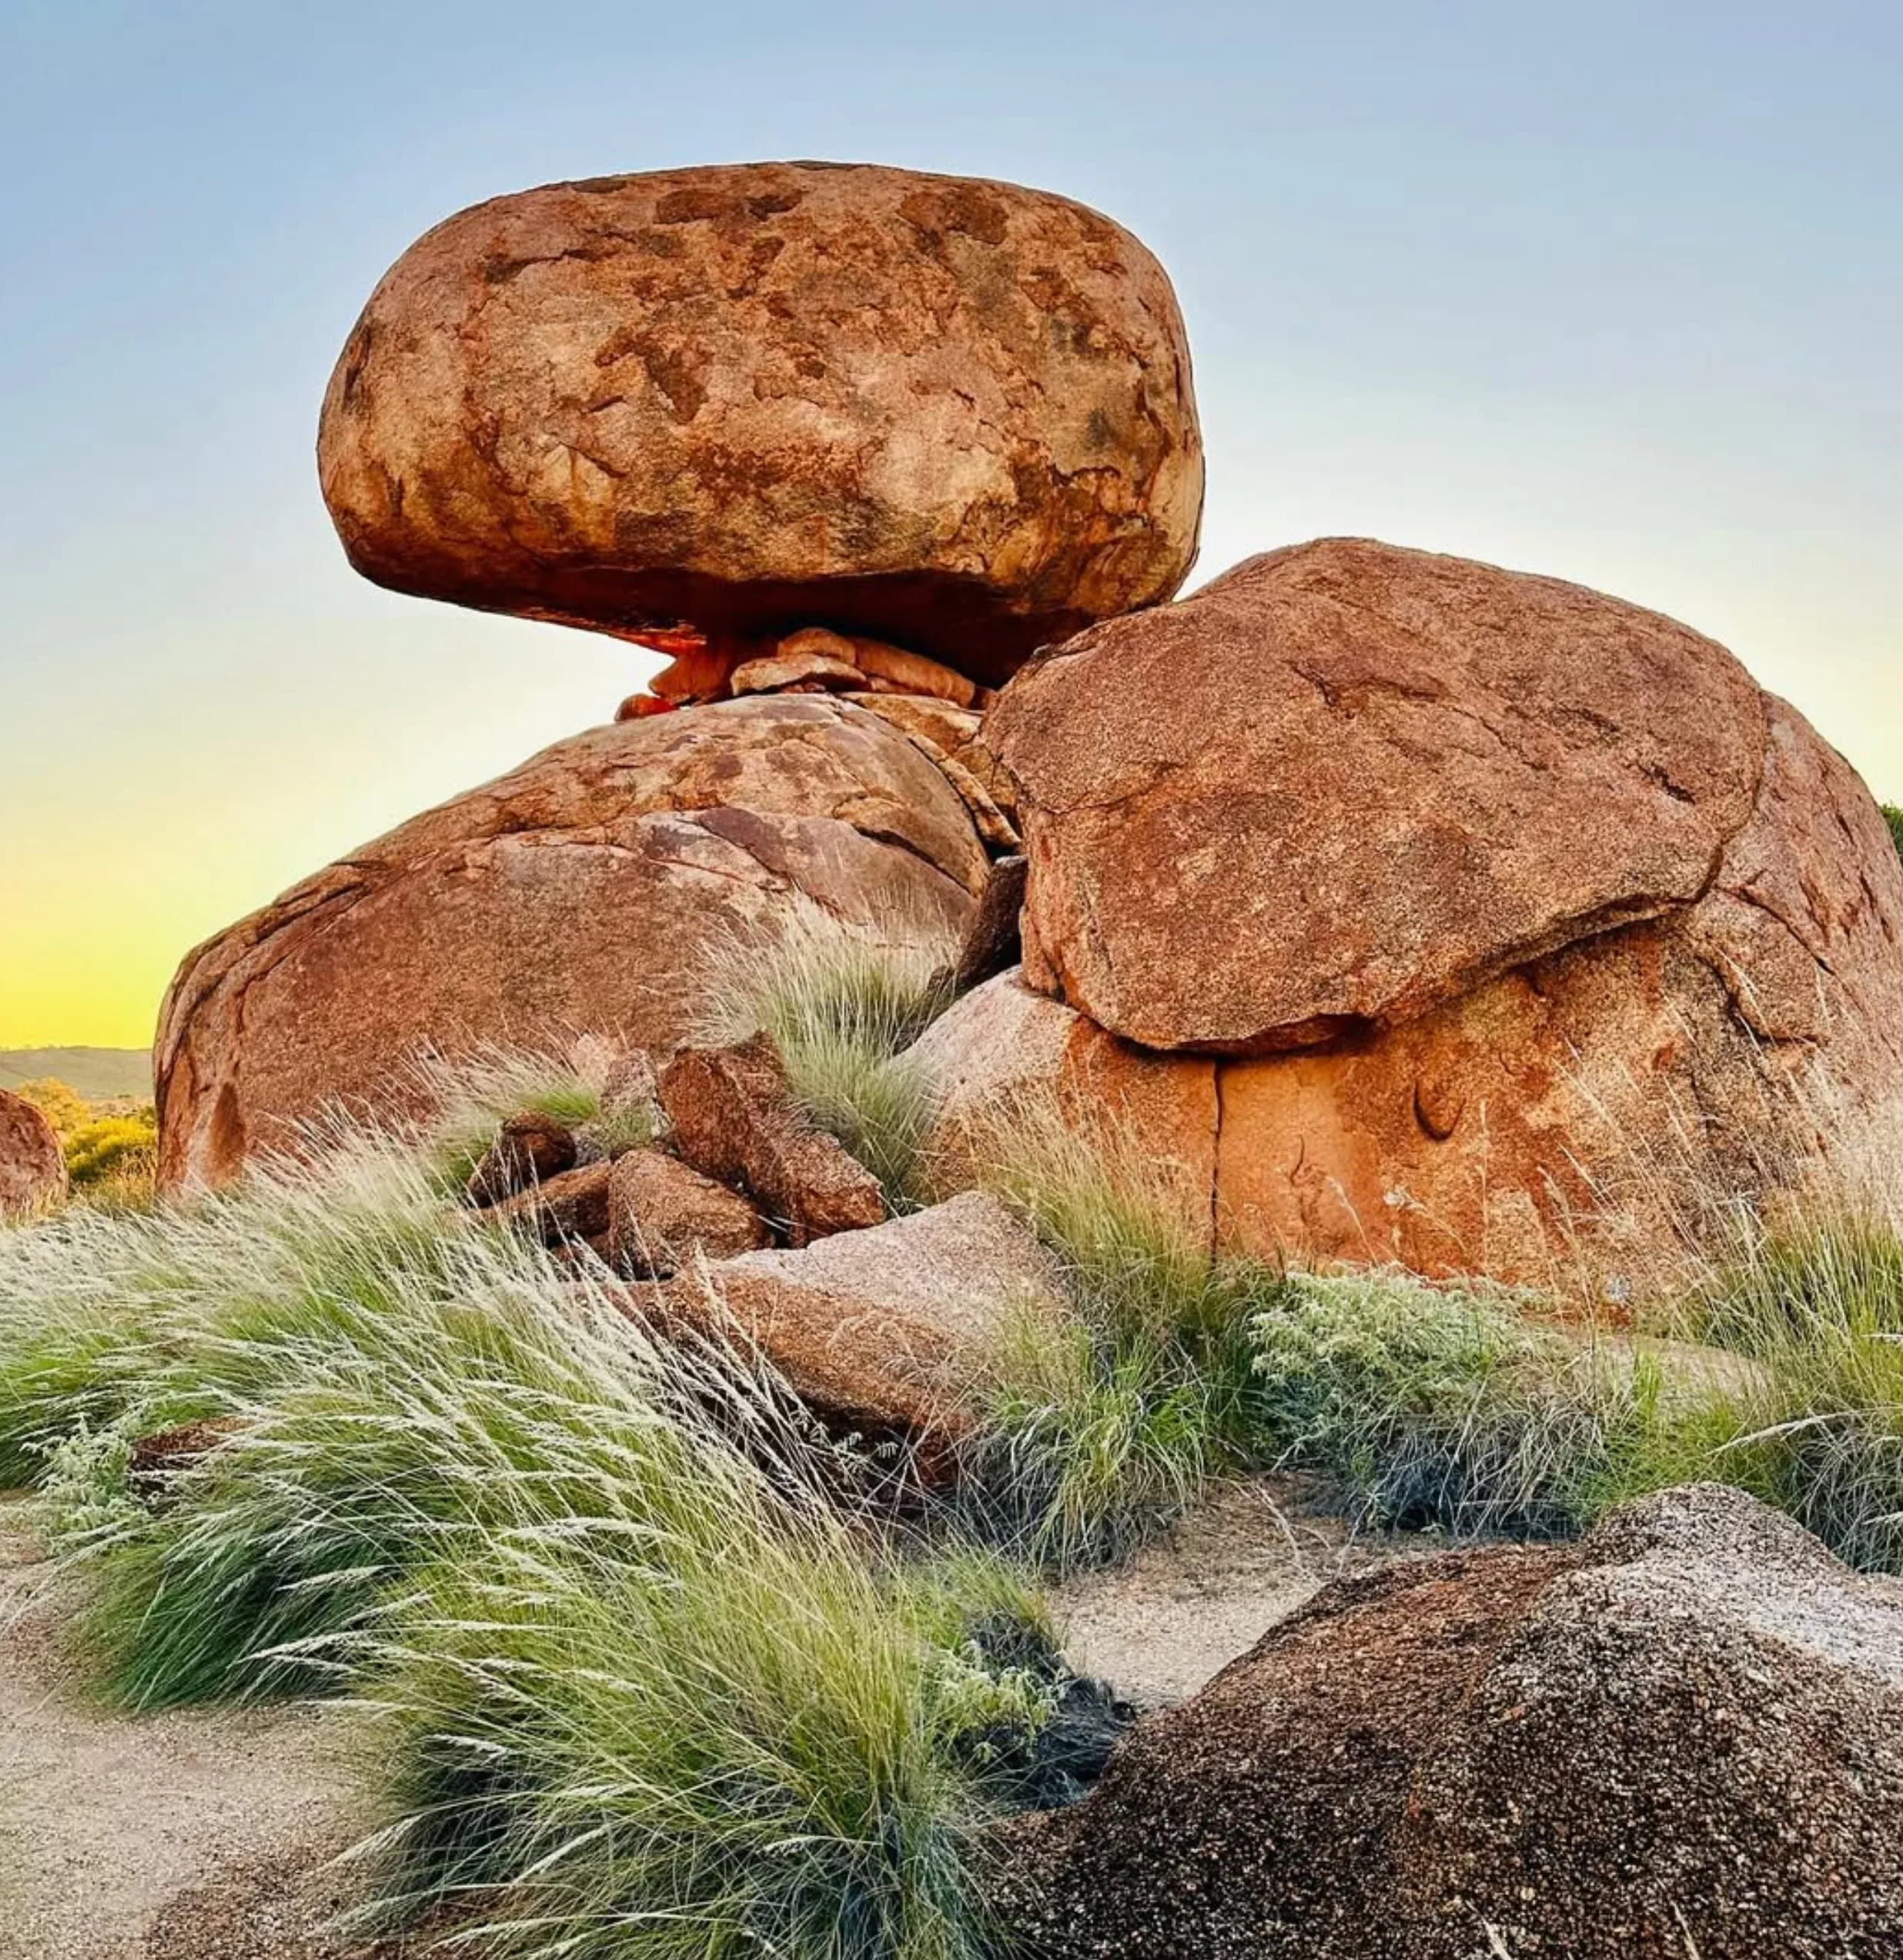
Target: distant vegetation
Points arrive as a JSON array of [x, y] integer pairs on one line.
[[1894, 817], [100, 1075], [111, 1147]]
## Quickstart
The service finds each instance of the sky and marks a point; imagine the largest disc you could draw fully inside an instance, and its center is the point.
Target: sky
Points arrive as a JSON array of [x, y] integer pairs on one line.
[[1611, 291]]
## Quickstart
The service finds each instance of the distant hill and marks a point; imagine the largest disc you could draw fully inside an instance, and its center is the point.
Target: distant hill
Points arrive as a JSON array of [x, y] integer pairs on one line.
[[96, 1073]]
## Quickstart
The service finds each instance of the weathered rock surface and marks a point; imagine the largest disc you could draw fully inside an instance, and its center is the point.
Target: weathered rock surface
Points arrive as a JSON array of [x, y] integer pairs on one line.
[[570, 1209], [1660, 965], [951, 414], [530, 1150], [885, 1331], [992, 942], [732, 1118], [1004, 1063], [1685, 1734], [1569, 1116], [584, 891], [32, 1165], [1346, 782], [664, 1214]]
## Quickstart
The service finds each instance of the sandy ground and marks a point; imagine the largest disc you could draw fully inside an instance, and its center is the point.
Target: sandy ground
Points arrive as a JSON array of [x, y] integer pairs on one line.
[[182, 1836], [1158, 1627], [194, 1836]]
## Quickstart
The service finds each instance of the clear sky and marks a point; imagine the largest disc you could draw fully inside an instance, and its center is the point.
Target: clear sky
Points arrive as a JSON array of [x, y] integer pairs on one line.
[[1613, 291]]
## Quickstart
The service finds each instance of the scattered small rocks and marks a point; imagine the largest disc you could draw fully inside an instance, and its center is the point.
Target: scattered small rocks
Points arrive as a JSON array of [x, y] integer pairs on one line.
[[570, 1209]]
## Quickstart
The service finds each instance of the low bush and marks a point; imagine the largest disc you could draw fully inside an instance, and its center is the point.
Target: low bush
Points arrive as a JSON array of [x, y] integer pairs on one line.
[[1894, 818], [1452, 1408], [841, 1005], [103, 1149]]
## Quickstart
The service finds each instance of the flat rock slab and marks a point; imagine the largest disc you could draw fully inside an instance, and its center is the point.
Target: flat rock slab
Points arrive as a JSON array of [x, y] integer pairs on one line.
[[885, 1331], [948, 413], [1345, 781], [1161, 1624]]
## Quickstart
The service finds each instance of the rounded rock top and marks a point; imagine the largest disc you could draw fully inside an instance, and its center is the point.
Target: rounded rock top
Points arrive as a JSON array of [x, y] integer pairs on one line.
[[949, 413]]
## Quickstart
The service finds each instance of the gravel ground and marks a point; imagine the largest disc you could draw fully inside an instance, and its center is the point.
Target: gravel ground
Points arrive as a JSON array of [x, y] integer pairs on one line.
[[181, 1836]]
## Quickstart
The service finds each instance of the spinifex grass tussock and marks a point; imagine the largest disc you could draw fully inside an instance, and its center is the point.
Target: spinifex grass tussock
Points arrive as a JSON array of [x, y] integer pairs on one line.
[[469, 1096], [841, 1004], [1105, 1422], [652, 1691], [732, 1733], [1816, 1305]]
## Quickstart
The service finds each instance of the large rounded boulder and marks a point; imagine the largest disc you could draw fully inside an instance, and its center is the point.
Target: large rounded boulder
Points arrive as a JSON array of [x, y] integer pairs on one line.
[[583, 893], [1683, 1735], [1529, 979], [32, 1165], [1346, 782], [950, 413]]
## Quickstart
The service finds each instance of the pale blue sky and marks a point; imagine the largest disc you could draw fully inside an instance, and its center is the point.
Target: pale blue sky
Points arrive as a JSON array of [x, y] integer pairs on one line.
[[1610, 291]]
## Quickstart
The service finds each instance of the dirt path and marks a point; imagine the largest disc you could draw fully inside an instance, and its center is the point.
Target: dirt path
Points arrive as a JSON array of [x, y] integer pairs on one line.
[[182, 1836], [1190, 1602]]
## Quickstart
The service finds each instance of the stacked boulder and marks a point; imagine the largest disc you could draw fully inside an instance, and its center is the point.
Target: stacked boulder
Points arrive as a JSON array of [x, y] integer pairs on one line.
[[1412, 909], [1398, 906], [848, 442]]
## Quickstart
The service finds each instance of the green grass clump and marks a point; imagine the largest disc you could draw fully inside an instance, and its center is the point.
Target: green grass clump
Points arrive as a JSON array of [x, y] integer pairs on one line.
[[1437, 1407], [1894, 818], [842, 1006], [471, 1095], [652, 1689], [740, 1738], [1106, 1420], [1816, 1308]]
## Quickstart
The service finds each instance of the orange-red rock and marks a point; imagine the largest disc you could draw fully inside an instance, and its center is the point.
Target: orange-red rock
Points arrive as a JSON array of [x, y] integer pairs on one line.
[[663, 1215], [584, 891], [951, 414], [1346, 782], [32, 1165], [731, 1117], [1573, 1117], [884, 1332]]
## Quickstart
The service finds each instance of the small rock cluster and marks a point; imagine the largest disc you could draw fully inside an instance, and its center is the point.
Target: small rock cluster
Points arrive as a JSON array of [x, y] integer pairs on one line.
[[758, 1230]]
